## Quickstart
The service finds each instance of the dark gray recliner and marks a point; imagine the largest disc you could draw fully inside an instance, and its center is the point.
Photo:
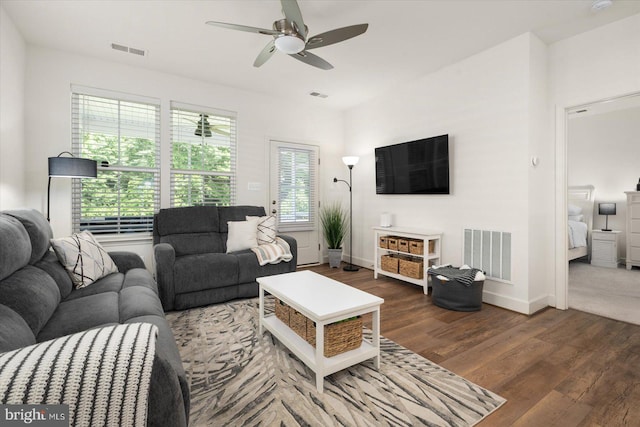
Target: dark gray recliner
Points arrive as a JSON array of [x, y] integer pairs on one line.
[[192, 266]]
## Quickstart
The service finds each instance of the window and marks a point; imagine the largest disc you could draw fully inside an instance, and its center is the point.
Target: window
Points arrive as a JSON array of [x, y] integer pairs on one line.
[[203, 157], [297, 166], [123, 136]]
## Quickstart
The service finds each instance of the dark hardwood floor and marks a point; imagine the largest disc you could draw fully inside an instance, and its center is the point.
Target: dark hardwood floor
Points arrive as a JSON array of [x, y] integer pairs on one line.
[[555, 368]]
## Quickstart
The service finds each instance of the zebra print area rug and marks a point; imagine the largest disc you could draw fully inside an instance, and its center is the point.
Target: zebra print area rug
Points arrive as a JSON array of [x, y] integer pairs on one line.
[[240, 378]]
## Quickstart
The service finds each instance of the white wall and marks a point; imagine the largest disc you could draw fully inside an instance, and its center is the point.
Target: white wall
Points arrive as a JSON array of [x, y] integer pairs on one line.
[[592, 66], [51, 73], [604, 151], [484, 104], [12, 71]]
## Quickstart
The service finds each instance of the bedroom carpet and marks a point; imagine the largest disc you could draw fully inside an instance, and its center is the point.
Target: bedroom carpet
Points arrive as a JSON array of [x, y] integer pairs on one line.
[[608, 292], [240, 378]]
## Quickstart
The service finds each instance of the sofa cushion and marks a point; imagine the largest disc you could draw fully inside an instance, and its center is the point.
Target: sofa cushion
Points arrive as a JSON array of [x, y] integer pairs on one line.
[[140, 277], [205, 271], [191, 219], [84, 258], [32, 294], [15, 246], [50, 265], [110, 283], [197, 243], [251, 269], [39, 231], [14, 331], [81, 314], [138, 301]]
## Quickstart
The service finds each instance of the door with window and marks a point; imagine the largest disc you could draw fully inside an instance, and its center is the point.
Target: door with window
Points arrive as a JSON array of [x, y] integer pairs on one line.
[[294, 196]]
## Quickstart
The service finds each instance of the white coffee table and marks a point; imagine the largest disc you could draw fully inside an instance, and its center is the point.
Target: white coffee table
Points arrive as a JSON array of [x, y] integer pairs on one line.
[[324, 301]]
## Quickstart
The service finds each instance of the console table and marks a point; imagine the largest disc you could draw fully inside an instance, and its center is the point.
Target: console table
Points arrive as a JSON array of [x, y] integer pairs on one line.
[[430, 256]]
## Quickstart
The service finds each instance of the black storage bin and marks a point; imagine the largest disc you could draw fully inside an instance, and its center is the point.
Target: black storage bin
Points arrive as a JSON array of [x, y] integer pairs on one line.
[[457, 296]]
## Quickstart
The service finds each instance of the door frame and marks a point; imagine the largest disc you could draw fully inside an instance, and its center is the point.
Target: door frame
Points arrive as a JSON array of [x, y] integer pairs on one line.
[[561, 242], [270, 141]]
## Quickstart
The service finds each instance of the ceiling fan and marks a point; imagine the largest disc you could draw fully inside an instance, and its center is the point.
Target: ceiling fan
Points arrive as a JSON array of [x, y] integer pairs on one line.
[[290, 37]]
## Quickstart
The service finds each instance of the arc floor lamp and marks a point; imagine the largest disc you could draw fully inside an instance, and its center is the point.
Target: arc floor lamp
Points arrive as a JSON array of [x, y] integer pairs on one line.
[[69, 167], [350, 161]]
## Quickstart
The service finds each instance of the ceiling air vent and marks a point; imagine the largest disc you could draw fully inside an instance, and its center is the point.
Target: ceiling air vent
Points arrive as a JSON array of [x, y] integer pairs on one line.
[[132, 50]]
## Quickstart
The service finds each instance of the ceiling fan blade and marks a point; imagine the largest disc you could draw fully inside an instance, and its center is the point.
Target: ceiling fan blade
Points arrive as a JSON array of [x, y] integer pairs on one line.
[[243, 28], [311, 59], [292, 13], [336, 36], [265, 54]]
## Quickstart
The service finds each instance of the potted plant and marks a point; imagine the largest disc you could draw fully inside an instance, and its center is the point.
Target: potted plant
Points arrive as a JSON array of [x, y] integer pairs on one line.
[[334, 227]]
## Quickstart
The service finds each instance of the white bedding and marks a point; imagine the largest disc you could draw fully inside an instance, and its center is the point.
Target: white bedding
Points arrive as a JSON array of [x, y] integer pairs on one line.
[[577, 234]]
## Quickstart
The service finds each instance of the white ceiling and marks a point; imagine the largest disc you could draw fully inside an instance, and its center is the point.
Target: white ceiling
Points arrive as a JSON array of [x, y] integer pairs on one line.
[[405, 39]]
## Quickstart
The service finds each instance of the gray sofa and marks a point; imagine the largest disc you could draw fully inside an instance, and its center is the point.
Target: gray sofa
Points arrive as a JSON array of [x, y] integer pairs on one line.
[[192, 266], [39, 303]]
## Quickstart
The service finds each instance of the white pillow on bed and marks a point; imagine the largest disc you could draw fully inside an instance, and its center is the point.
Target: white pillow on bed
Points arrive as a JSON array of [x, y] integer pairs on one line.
[[579, 218], [574, 210]]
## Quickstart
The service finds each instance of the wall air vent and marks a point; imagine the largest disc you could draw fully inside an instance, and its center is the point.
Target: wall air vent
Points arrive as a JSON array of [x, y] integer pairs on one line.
[[489, 251], [132, 50]]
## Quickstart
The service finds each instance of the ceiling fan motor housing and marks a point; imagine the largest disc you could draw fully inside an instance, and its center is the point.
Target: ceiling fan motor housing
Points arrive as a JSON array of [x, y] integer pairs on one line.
[[290, 41]]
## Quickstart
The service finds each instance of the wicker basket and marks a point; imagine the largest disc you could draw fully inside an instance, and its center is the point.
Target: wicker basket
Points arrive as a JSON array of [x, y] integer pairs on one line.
[[403, 245], [416, 247], [384, 242], [298, 323], [393, 243], [432, 246], [412, 267], [389, 263], [339, 337], [282, 311]]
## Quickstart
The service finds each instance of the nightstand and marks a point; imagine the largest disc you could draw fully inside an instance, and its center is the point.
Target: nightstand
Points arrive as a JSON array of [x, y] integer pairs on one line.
[[604, 248]]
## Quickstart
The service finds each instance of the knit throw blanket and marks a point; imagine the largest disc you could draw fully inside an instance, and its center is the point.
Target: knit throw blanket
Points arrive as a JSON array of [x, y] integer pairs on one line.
[[273, 253], [102, 374], [464, 276]]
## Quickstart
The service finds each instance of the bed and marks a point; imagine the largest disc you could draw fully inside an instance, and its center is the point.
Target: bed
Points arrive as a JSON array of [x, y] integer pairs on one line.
[[580, 202]]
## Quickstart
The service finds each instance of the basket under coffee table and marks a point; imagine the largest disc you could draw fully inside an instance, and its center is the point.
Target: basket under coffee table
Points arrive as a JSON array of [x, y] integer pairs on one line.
[[323, 301]]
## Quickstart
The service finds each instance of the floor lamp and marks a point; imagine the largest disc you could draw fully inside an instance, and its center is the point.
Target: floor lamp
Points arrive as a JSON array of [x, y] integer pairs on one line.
[[350, 161], [69, 167]]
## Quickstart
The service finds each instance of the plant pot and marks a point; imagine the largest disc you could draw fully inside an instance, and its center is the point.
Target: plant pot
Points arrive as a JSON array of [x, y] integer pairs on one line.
[[335, 257]]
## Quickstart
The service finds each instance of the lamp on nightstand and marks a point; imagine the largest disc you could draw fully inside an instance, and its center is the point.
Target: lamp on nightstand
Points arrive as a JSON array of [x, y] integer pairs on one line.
[[606, 209]]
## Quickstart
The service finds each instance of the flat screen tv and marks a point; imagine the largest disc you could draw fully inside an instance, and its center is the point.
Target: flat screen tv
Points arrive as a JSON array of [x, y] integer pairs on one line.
[[415, 167]]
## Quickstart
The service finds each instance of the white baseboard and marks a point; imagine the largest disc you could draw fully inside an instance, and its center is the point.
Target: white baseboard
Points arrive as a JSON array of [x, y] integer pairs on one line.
[[515, 304]]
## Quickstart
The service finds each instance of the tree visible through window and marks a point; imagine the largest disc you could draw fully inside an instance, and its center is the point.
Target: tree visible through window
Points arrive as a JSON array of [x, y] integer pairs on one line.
[[202, 158], [124, 138]]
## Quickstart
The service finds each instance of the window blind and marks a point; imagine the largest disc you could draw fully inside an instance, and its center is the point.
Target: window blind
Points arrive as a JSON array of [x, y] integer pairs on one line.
[[203, 157], [297, 170], [124, 138]]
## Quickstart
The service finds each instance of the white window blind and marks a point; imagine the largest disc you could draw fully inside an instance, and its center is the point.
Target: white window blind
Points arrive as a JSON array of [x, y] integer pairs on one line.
[[124, 138], [203, 157], [297, 171]]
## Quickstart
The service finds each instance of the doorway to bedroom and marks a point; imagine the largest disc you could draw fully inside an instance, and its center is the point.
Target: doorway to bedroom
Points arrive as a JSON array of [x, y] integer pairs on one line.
[[603, 148]]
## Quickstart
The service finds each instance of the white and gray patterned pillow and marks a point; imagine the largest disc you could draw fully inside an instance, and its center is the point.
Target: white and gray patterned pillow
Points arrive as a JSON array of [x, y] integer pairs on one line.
[[83, 258], [266, 229]]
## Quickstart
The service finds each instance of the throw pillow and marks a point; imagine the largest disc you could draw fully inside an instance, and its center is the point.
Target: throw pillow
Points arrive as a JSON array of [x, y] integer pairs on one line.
[[266, 229], [84, 258], [242, 235]]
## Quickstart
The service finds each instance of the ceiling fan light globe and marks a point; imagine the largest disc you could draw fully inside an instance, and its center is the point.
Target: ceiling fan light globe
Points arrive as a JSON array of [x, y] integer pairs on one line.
[[289, 44]]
